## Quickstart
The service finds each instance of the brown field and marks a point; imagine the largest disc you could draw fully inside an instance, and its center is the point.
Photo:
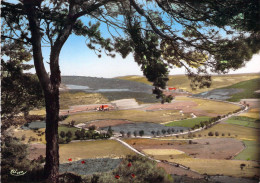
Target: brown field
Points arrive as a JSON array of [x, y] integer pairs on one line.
[[131, 115], [92, 149], [210, 148], [178, 171], [221, 167]]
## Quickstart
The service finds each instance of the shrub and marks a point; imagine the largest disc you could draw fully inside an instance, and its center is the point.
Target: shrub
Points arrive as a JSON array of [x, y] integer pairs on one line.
[[128, 134], [223, 134], [135, 133], [122, 133], [172, 130], [69, 134], [210, 134], [141, 133], [62, 134], [216, 134], [68, 140], [168, 130], [177, 136], [153, 133], [61, 141], [23, 138], [163, 131], [229, 134], [158, 133], [141, 170], [92, 127], [181, 130], [190, 141], [72, 123]]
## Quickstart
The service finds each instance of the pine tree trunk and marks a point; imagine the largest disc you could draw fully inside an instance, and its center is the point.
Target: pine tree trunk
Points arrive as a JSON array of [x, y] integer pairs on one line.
[[51, 169]]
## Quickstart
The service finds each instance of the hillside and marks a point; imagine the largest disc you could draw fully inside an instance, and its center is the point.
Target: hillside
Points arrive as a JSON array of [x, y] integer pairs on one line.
[[181, 81]]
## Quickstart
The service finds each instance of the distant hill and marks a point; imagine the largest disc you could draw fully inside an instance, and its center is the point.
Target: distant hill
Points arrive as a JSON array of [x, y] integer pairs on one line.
[[106, 83], [182, 81]]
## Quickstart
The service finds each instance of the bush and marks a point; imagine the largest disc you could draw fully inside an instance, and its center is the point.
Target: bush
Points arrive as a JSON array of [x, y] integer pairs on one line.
[[128, 134], [61, 141], [135, 133], [229, 134], [210, 134], [190, 141], [69, 134], [141, 170], [141, 133], [216, 134], [92, 128], [223, 134], [68, 140], [23, 138], [62, 134]]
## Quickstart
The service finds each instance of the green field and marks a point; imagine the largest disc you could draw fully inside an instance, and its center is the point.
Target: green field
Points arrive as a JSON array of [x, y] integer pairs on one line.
[[182, 81], [249, 87], [244, 121], [251, 152], [188, 122]]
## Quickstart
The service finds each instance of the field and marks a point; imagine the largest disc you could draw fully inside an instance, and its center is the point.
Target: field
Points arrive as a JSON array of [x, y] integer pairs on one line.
[[252, 113], [251, 152], [221, 167], [219, 108], [92, 149], [249, 87], [244, 121], [235, 131], [181, 81], [188, 122], [80, 98], [131, 115]]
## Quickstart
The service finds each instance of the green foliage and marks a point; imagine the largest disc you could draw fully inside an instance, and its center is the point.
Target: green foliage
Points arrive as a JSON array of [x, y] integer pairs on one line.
[[244, 121], [14, 157], [134, 168], [62, 134], [189, 122], [21, 91]]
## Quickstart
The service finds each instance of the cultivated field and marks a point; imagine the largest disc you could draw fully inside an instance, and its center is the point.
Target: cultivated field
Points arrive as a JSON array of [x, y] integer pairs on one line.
[[220, 167], [80, 98], [252, 113], [131, 115], [188, 122], [92, 149], [235, 131]]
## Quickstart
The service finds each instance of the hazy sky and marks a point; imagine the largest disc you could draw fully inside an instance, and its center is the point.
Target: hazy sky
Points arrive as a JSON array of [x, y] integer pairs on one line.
[[77, 59]]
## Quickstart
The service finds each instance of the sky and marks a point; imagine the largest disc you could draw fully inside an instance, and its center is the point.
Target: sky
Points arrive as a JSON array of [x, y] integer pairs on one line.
[[77, 60]]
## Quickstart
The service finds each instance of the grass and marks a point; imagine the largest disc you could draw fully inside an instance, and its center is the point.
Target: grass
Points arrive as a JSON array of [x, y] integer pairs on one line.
[[131, 115], [30, 133], [188, 122], [92, 149], [244, 121], [249, 87], [182, 81], [208, 106], [252, 113], [251, 152], [80, 98], [149, 142], [236, 131], [221, 167]]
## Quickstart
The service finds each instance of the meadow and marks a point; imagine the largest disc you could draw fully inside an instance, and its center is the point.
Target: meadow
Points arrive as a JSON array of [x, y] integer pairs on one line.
[[251, 152], [92, 149], [244, 121], [188, 122]]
